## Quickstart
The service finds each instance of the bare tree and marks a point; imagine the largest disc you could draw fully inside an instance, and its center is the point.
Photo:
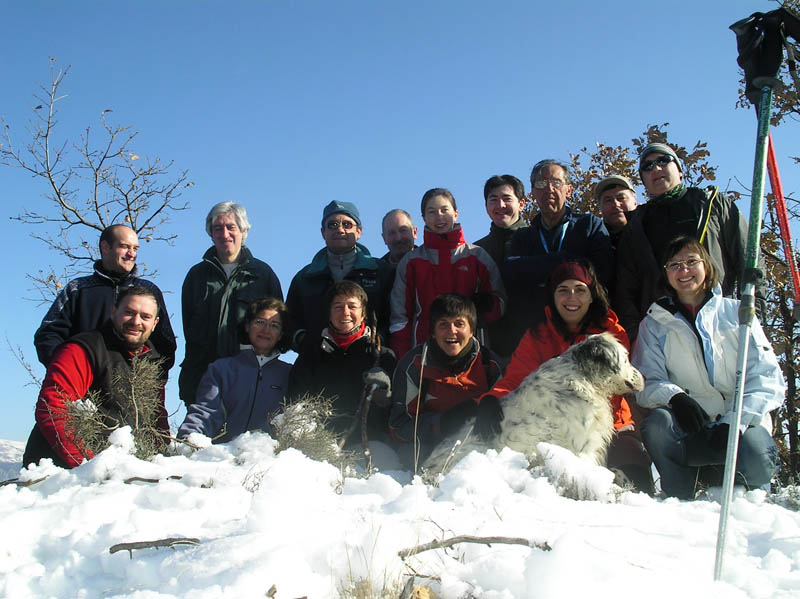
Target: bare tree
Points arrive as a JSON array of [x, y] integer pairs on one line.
[[90, 184]]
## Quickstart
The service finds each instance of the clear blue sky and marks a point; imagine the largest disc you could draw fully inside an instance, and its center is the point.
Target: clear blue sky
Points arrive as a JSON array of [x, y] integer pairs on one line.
[[284, 106]]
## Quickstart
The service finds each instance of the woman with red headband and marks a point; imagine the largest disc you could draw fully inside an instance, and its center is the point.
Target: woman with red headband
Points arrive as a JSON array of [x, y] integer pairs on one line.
[[577, 306]]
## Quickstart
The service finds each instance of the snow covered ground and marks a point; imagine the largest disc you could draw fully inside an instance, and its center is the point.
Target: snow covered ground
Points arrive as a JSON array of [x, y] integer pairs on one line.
[[263, 519]]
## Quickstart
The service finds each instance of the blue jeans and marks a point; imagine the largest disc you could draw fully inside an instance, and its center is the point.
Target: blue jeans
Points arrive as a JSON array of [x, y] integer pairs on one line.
[[665, 442]]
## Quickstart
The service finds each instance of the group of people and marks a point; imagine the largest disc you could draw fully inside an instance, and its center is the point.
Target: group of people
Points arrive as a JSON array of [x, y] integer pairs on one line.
[[429, 336]]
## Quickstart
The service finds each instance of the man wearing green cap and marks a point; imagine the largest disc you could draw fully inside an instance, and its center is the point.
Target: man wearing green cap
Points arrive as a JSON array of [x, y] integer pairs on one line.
[[674, 209], [341, 258]]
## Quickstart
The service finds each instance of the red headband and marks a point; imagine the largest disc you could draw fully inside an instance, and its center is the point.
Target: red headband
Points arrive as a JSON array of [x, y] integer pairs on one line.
[[570, 270]]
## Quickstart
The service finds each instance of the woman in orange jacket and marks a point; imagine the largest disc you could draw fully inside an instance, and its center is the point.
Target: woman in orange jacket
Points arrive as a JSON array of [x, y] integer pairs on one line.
[[577, 307]]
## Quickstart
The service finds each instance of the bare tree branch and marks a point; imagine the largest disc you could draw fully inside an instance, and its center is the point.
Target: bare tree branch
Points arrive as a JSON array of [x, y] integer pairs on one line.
[[169, 542], [90, 185], [404, 553]]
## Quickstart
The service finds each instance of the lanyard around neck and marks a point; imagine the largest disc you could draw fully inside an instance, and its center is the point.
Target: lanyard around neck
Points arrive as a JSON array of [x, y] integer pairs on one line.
[[560, 240]]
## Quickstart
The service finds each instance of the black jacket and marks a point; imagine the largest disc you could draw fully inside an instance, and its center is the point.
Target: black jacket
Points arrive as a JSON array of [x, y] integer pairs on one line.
[[639, 281], [305, 298], [530, 262], [214, 308], [504, 334], [324, 367], [85, 304]]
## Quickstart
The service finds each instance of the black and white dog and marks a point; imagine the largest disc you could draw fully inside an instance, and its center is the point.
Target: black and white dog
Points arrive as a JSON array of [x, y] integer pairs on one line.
[[566, 402]]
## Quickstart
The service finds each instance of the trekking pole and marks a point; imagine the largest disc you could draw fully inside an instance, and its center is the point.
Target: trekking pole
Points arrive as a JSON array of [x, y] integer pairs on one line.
[[783, 225], [750, 276]]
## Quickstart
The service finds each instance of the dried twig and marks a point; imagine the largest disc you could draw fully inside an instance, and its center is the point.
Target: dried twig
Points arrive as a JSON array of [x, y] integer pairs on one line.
[[170, 542], [139, 479], [470, 539], [21, 483]]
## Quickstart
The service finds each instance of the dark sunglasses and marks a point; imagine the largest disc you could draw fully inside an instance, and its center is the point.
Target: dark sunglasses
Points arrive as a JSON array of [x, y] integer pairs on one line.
[[661, 161], [333, 225]]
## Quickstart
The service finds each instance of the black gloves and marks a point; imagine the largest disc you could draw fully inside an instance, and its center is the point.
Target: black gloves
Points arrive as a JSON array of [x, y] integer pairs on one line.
[[690, 416], [488, 417], [707, 446], [453, 419], [483, 300], [719, 436], [383, 385]]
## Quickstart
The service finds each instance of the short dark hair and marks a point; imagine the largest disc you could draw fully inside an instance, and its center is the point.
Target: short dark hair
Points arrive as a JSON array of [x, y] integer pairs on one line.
[[537, 168], [453, 305], [267, 303], [432, 193], [346, 288], [598, 309], [139, 290], [498, 181], [687, 242], [109, 235]]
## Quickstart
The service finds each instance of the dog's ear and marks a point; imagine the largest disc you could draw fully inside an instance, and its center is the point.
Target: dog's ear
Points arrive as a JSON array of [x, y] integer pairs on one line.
[[596, 357]]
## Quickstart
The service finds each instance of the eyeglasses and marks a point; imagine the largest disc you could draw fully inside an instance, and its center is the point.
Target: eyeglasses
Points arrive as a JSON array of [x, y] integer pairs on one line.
[[260, 323], [662, 161], [333, 225], [689, 264], [543, 183]]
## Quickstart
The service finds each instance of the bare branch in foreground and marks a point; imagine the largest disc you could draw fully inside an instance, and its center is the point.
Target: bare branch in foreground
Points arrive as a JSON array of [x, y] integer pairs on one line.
[[170, 542], [23, 483], [139, 479], [404, 553]]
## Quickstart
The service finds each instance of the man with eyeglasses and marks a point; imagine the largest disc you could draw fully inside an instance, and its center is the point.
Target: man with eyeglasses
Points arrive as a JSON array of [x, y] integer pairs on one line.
[[556, 234], [674, 209], [217, 292], [342, 258]]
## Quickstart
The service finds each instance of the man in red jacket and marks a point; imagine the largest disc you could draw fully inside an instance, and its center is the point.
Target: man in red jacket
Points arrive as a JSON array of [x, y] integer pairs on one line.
[[88, 362]]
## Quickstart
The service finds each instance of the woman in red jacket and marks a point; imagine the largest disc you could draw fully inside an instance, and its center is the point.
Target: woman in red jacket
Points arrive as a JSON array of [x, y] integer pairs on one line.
[[577, 307]]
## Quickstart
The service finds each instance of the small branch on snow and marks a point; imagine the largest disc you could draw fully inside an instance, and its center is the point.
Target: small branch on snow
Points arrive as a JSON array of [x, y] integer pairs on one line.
[[470, 539], [139, 479], [171, 542], [24, 483]]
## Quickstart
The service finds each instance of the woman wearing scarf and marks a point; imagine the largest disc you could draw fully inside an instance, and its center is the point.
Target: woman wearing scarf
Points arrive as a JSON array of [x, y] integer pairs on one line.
[[344, 360]]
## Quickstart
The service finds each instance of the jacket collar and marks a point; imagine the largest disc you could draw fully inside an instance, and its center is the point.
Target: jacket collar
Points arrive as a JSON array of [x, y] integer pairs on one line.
[[537, 220], [211, 256], [507, 231], [319, 263], [115, 343], [444, 241], [433, 361], [114, 277]]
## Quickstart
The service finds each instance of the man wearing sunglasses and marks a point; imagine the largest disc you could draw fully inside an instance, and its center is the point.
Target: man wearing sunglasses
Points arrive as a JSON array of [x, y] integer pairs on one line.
[[674, 209], [341, 258]]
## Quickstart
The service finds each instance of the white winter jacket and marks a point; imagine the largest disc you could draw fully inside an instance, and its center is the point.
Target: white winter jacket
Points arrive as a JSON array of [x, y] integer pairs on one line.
[[670, 356]]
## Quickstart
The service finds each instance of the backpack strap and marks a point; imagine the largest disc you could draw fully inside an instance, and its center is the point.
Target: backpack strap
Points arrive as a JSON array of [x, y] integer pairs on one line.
[[714, 194]]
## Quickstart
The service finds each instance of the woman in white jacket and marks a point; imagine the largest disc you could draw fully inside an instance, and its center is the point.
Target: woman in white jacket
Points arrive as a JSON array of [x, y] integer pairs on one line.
[[686, 349]]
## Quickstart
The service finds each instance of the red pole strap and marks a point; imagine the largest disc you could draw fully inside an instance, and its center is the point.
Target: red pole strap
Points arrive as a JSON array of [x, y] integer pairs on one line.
[[783, 219]]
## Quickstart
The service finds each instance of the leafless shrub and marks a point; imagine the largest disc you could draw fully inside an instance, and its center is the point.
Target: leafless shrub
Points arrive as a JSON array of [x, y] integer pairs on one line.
[[135, 400], [303, 425]]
